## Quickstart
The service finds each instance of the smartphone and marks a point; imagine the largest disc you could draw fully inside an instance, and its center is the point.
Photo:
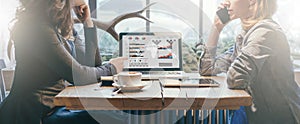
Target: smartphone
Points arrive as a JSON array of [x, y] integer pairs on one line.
[[189, 83], [223, 15], [200, 82]]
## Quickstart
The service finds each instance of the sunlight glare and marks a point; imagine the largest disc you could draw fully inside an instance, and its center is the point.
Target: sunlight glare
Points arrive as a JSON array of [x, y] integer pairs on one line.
[[7, 10]]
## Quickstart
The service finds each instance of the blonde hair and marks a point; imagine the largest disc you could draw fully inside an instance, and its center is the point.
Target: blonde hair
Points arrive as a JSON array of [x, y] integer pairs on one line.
[[264, 9]]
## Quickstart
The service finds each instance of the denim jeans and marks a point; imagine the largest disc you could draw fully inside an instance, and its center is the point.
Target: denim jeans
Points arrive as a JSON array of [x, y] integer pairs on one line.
[[63, 116], [238, 116]]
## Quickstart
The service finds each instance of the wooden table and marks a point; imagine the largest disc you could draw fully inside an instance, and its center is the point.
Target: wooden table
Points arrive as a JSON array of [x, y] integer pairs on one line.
[[94, 97]]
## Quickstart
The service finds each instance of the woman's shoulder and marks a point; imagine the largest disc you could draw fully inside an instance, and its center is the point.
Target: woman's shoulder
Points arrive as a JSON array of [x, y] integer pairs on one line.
[[266, 31], [35, 33], [24, 28], [264, 28], [268, 25]]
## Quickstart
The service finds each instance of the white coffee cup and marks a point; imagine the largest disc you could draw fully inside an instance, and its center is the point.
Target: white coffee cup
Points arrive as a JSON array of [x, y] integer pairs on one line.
[[132, 78]]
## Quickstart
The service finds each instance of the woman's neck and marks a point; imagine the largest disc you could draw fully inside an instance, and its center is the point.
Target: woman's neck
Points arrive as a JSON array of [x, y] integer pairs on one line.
[[248, 23]]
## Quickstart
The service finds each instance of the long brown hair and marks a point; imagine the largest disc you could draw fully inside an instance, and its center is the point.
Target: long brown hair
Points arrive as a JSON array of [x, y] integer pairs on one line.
[[57, 13], [60, 16]]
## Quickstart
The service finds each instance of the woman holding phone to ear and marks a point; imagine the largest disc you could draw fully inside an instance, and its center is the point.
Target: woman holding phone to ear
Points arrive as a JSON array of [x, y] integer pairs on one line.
[[49, 53], [259, 62]]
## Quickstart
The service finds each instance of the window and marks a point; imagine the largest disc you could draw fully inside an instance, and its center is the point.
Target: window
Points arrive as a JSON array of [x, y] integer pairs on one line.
[[179, 16], [106, 11], [193, 22], [192, 18], [7, 9], [288, 17], [166, 18]]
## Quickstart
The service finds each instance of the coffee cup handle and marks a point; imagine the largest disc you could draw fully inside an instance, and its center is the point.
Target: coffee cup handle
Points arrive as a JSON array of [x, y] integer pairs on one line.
[[115, 79]]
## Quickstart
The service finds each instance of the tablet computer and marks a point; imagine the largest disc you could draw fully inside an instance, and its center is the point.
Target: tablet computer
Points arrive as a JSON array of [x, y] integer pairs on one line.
[[189, 82]]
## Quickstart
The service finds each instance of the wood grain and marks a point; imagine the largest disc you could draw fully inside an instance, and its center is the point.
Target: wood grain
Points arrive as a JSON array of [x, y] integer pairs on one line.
[[94, 97]]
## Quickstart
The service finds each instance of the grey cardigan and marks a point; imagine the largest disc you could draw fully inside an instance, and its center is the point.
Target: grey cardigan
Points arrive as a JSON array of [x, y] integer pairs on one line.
[[44, 63], [260, 63]]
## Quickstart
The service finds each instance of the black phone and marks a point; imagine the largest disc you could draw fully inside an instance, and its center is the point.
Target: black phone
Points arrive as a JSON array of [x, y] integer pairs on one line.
[[223, 15], [200, 82], [189, 82]]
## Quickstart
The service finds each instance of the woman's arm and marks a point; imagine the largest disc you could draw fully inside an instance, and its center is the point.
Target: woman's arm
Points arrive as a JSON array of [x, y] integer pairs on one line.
[[253, 56], [90, 54], [211, 65], [87, 52], [55, 57]]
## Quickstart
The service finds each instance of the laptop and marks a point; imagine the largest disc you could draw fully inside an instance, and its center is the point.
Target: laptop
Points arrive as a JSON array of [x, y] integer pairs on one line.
[[155, 54]]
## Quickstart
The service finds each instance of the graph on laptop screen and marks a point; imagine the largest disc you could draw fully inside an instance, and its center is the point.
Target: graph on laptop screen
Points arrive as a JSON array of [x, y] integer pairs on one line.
[[151, 51]]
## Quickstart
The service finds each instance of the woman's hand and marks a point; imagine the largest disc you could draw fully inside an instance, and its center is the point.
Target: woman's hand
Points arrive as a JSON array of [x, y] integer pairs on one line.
[[217, 22], [118, 63], [217, 28], [82, 11], [232, 16]]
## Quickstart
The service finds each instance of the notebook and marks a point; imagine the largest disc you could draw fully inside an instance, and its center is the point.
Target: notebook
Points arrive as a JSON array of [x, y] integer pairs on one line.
[[155, 54]]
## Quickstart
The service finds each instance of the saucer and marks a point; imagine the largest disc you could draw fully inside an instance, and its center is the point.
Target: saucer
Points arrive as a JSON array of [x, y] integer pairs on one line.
[[130, 88]]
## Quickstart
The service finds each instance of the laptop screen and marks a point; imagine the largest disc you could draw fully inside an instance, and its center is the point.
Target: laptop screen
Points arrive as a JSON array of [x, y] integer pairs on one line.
[[153, 51]]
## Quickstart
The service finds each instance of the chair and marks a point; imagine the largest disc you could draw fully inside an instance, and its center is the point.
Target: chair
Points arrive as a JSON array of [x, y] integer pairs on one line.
[[2, 84]]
